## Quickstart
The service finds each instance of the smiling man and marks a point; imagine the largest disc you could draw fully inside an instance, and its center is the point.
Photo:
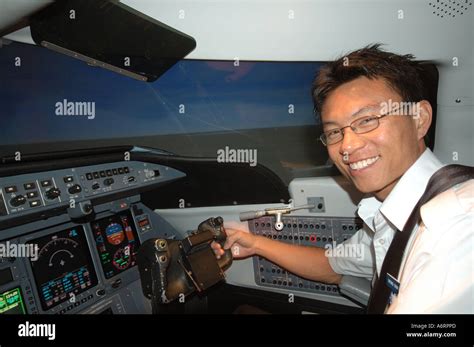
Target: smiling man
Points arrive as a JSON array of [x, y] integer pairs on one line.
[[375, 118]]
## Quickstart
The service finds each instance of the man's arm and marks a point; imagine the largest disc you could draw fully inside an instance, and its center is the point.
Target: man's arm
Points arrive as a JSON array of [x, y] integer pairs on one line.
[[307, 262]]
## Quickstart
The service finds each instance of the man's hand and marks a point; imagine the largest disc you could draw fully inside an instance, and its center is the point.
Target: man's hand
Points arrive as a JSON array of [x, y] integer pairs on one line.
[[241, 242]]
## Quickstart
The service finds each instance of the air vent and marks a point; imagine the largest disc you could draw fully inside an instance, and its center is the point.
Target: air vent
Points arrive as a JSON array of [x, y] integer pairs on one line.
[[450, 8]]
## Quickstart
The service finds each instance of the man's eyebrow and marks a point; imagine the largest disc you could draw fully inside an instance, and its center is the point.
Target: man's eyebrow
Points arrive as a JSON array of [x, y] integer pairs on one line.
[[357, 113]]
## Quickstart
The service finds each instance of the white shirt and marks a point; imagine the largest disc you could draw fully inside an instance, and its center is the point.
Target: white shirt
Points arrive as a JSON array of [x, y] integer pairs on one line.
[[436, 275]]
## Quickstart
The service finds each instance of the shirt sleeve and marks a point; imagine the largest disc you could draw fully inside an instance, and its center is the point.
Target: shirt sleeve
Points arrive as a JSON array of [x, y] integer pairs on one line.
[[355, 256]]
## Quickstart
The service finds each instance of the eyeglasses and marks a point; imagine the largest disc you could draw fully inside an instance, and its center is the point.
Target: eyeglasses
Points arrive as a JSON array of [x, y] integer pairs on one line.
[[359, 126]]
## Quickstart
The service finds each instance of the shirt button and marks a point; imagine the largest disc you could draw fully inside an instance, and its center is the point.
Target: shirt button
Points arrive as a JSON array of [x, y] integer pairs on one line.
[[381, 241]]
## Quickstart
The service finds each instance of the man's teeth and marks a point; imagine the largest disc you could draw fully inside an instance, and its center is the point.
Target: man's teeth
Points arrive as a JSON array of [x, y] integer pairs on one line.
[[363, 163]]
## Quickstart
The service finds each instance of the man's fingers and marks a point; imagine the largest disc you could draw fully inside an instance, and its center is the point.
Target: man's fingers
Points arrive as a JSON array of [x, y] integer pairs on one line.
[[231, 239]]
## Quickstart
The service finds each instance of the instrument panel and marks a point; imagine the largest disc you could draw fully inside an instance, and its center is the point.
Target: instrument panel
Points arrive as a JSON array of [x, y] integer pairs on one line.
[[23, 194], [82, 257]]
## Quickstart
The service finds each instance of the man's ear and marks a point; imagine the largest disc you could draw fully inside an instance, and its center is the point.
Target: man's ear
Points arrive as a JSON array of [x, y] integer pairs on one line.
[[423, 117]]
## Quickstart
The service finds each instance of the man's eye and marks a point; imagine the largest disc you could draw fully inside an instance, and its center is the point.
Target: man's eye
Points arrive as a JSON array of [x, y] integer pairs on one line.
[[366, 121], [333, 133]]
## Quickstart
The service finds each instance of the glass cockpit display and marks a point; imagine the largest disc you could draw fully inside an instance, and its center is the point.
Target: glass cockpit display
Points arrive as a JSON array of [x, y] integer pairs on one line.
[[117, 243], [11, 302], [64, 267]]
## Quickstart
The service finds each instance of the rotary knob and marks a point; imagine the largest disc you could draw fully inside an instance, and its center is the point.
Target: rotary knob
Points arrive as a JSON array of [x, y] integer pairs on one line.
[[53, 193], [17, 200]]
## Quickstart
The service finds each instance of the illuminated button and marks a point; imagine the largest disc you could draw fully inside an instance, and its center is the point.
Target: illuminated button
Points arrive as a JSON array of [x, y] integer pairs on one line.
[[120, 171], [10, 189], [126, 169], [323, 226], [102, 174], [108, 172], [300, 285], [29, 186], [318, 238], [263, 280], [344, 227], [68, 179], [114, 171], [95, 174], [324, 239], [31, 195], [77, 304], [46, 183], [351, 227], [69, 308], [89, 176], [35, 203]]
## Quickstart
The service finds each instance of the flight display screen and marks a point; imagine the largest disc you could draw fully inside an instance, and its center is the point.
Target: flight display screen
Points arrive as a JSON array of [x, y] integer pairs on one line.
[[117, 243], [11, 302], [64, 267]]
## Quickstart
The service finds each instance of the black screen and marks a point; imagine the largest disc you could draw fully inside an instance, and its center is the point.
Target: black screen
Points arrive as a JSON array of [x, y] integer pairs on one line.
[[112, 33], [117, 242], [64, 267]]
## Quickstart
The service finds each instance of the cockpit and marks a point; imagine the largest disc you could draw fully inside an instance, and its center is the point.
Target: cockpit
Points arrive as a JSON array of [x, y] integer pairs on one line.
[[133, 132]]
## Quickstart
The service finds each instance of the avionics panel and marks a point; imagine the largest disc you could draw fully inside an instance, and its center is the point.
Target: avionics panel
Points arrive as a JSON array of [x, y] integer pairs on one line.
[[117, 242], [11, 302], [64, 267], [322, 232]]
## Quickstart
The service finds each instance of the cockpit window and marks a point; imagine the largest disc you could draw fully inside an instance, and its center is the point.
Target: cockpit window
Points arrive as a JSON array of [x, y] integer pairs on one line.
[[200, 108]]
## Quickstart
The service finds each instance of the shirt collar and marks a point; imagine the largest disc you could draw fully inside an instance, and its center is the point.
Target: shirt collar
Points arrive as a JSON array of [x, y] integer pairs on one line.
[[399, 204]]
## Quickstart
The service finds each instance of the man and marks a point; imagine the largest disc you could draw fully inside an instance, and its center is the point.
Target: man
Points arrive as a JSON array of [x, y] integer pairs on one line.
[[374, 121]]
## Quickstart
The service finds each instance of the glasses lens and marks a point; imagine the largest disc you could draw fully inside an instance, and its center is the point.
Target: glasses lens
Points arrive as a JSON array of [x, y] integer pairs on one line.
[[332, 136], [365, 124]]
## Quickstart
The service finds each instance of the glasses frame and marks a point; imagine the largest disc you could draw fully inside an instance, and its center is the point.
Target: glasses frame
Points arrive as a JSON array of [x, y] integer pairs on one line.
[[323, 137]]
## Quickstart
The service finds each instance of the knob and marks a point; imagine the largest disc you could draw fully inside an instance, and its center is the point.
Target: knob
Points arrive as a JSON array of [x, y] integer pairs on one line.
[[95, 186], [131, 179], [109, 181], [74, 189], [17, 201], [53, 193]]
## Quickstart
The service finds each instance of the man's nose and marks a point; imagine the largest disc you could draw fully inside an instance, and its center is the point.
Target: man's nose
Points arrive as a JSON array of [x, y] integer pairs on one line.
[[351, 142]]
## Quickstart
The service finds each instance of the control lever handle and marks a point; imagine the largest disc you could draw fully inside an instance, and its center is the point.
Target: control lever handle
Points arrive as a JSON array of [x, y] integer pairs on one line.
[[275, 211], [216, 226]]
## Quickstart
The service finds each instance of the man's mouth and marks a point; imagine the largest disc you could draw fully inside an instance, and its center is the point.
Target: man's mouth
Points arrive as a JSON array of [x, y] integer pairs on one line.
[[362, 164]]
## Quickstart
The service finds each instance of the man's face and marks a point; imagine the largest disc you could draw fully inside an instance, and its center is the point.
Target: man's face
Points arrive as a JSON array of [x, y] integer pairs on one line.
[[373, 161]]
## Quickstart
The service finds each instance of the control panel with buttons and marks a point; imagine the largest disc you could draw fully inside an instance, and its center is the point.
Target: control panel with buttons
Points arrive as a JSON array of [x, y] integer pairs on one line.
[[325, 232], [32, 192]]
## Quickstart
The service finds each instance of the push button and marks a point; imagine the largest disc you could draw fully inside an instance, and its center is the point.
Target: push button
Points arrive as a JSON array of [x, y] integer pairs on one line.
[[35, 203], [29, 186], [10, 189], [31, 195], [46, 183]]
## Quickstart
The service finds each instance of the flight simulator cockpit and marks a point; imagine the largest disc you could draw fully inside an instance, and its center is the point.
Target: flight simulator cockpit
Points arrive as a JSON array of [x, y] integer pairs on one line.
[[141, 141]]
